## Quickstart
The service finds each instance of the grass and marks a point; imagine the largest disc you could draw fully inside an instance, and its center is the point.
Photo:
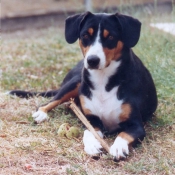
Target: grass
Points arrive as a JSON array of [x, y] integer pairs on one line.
[[40, 64]]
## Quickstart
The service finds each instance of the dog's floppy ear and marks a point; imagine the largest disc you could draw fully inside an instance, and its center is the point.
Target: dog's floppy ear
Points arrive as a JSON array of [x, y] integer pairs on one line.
[[130, 28], [72, 26]]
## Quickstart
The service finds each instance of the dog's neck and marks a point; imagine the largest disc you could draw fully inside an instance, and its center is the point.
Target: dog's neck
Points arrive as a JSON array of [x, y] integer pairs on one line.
[[100, 77]]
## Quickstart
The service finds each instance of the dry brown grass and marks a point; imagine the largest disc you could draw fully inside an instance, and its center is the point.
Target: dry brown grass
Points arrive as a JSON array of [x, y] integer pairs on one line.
[[24, 143]]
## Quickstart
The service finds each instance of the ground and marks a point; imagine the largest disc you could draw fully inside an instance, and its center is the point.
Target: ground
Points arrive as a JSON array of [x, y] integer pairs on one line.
[[38, 60]]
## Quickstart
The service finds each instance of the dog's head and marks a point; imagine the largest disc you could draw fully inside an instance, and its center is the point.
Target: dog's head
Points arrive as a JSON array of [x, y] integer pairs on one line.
[[102, 36]]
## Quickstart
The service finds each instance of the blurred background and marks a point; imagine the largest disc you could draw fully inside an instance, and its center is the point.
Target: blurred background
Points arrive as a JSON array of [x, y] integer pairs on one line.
[[20, 14]]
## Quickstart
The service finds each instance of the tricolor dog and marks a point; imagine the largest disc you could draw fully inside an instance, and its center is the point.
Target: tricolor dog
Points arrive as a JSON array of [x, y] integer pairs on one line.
[[112, 86]]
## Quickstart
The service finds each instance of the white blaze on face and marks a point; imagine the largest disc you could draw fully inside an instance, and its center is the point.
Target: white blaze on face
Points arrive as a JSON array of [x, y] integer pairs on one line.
[[96, 49]]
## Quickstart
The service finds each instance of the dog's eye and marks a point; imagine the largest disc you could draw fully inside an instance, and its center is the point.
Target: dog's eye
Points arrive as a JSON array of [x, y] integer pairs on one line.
[[85, 36], [110, 37]]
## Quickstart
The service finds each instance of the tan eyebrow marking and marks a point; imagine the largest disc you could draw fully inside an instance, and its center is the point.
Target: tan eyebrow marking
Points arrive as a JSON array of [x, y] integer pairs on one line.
[[91, 31], [105, 33]]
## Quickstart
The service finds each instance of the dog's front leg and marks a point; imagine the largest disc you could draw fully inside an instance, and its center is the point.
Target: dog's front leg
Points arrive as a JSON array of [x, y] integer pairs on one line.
[[133, 132], [67, 91]]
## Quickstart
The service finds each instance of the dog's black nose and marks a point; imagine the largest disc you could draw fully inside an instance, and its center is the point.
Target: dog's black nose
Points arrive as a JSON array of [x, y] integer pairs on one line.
[[93, 61]]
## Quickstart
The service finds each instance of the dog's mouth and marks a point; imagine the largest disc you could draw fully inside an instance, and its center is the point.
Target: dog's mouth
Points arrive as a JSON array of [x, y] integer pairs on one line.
[[98, 67], [93, 68]]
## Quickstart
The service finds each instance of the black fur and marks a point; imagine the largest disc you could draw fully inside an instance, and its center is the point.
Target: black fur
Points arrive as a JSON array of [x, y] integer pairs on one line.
[[136, 86], [129, 27]]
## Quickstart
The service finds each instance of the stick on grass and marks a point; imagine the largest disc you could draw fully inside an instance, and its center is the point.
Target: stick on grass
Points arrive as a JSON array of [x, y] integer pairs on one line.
[[80, 115]]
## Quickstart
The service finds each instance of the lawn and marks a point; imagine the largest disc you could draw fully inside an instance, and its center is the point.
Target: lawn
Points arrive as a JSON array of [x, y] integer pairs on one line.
[[40, 63]]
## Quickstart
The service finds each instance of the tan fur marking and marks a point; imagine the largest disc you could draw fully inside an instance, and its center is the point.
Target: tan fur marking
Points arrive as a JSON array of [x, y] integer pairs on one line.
[[71, 94], [85, 111], [105, 33], [65, 98], [91, 31], [83, 49], [118, 50], [126, 136], [50, 106], [126, 110], [113, 54], [97, 129]]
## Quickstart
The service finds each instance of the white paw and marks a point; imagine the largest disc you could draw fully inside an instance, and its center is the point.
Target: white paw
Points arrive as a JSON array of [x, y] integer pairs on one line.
[[40, 116], [91, 144], [120, 148], [7, 93]]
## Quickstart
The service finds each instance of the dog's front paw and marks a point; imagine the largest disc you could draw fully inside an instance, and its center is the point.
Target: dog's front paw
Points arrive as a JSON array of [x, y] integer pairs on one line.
[[91, 145], [119, 149], [40, 116]]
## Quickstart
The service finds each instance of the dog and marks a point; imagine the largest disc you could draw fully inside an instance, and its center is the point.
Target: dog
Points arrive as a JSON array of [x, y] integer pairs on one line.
[[114, 89]]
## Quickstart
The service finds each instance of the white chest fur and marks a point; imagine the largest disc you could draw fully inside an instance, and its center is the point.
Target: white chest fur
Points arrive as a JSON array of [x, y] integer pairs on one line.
[[104, 104]]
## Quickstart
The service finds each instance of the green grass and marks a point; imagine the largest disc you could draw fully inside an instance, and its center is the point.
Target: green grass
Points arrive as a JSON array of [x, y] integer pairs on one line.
[[47, 58], [156, 50], [40, 64]]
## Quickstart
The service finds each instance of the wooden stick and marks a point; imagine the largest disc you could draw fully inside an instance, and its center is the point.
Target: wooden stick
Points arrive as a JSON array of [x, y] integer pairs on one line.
[[80, 115]]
